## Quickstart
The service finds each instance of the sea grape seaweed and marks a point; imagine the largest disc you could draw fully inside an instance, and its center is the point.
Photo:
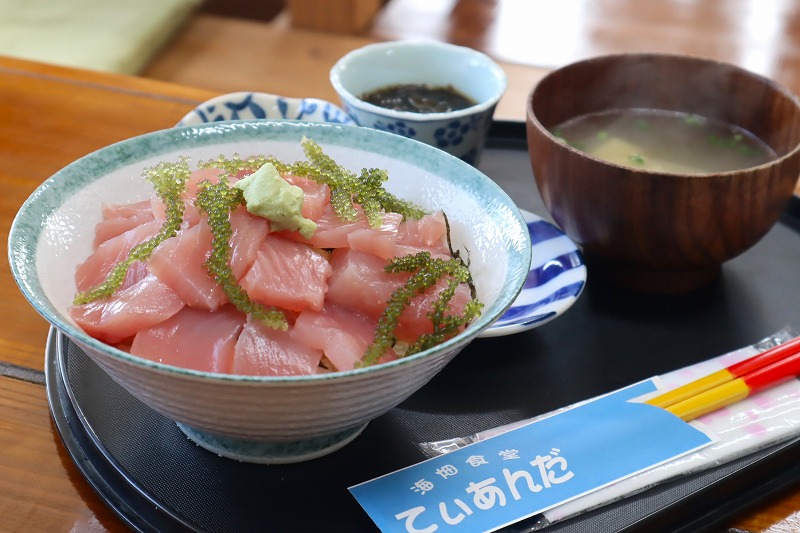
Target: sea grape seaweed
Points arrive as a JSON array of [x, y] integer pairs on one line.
[[169, 181], [425, 271], [348, 190], [217, 200]]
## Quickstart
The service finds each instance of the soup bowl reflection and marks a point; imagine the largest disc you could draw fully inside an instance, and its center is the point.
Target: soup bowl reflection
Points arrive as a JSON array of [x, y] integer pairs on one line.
[[267, 419], [657, 231]]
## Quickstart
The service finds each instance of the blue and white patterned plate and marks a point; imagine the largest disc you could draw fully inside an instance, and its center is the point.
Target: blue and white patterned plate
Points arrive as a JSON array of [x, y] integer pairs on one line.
[[255, 106], [555, 280], [557, 273]]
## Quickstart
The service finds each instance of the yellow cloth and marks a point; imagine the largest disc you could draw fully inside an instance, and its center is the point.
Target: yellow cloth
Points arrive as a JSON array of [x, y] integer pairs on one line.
[[109, 35]]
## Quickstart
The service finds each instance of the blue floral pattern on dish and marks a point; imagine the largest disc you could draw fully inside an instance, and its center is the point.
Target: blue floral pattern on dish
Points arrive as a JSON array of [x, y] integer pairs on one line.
[[264, 106], [452, 134], [399, 127]]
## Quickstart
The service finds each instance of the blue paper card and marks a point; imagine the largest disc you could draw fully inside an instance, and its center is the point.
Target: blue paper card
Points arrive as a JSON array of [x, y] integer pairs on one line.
[[518, 474]]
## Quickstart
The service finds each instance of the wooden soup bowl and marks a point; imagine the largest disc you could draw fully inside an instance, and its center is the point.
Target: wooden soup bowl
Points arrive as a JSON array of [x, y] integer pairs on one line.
[[659, 232]]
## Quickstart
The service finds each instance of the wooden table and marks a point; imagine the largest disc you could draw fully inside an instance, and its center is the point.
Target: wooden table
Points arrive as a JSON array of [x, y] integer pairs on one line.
[[51, 116]]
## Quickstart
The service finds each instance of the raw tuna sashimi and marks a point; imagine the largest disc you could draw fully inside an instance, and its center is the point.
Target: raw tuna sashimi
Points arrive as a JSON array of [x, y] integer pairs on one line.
[[331, 288], [415, 320], [428, 233], [119, 218], [95, 269], [264, 351], [137, 271], [342, 335], [380, 241], [331, 232], [316, 196], [194, 339], [359, 283], [287, 274], [249, 232], [142, 305], [191, 214], [178, 262]]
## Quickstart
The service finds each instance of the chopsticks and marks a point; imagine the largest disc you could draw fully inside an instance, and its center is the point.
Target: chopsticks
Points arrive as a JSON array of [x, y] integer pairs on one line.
[[734, 383]]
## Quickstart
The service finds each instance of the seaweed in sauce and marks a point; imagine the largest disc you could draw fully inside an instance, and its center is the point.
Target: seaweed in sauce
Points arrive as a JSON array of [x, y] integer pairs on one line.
[[419, 98]]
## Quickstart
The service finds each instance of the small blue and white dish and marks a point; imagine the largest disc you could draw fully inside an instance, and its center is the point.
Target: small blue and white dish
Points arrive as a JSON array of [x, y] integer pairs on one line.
[[258, 106], [556, 279], [461, 132], [557, 273]]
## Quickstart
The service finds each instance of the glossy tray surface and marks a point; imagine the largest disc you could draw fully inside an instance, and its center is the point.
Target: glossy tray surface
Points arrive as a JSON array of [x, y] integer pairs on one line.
[[157, 480]]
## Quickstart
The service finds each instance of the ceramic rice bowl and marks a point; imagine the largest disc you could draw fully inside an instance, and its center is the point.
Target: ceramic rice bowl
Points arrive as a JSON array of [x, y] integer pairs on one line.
[[267, 419]]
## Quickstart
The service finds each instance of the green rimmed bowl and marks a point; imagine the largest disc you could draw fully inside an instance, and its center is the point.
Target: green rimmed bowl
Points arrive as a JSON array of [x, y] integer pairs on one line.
[[267, 419]]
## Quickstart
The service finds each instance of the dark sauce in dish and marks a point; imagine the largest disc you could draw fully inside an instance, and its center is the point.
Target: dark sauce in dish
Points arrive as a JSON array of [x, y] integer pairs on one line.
[[419, 98]]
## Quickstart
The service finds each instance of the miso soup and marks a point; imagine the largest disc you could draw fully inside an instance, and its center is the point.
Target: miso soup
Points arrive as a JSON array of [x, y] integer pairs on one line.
[[664, 141]]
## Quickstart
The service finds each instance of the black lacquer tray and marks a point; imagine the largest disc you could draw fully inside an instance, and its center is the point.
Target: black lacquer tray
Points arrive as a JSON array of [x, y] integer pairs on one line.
[[155, 479]]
